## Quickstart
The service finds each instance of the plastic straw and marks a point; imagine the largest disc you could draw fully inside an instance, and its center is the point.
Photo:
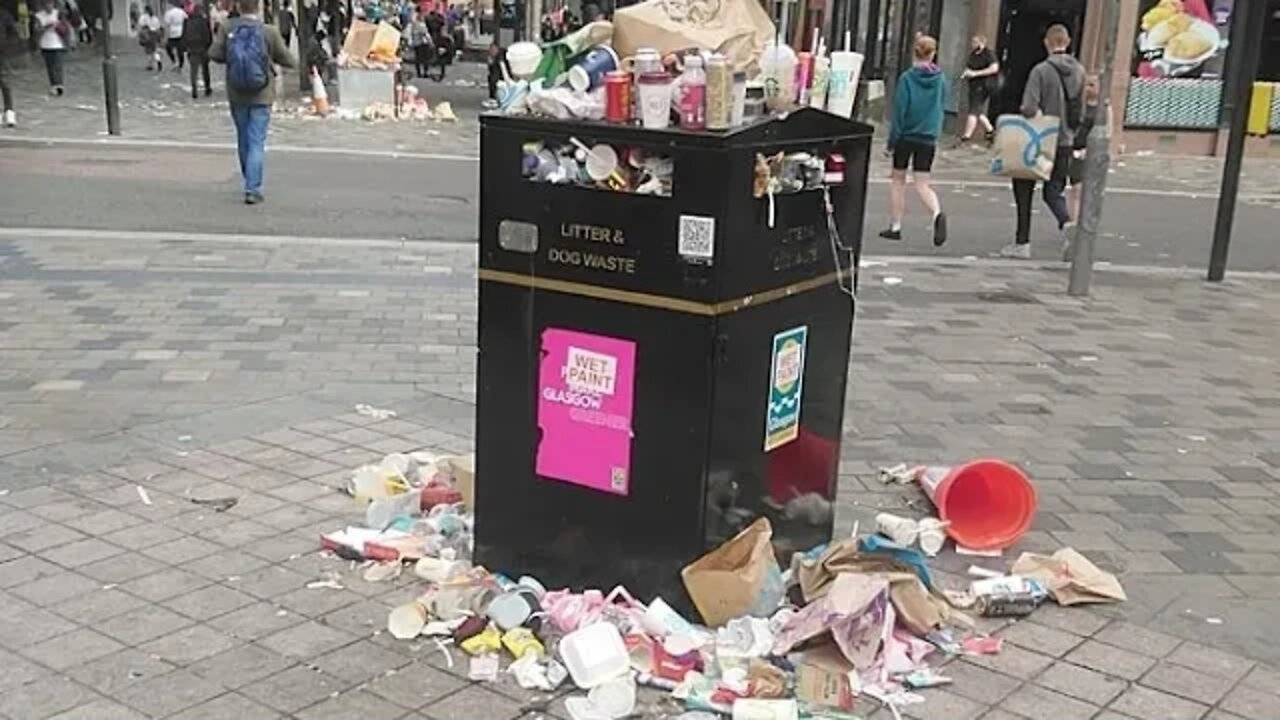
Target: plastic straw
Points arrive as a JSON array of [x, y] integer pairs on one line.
[[848, 40], [813, 43]]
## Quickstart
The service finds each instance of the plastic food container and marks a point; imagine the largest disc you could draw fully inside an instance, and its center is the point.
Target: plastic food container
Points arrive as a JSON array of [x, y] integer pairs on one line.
[[594, 654], [524, 58]]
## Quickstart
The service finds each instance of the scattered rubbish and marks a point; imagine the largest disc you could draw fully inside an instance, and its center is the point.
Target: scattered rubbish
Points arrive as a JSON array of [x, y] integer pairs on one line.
[[610, 700], [933, 535], [982, 645], [407, 621], [1070, 577], [382, 571], [1007, 596], [484, 668], [184, 438], [973, 552], [976, 571], [900, 474], [594, 654], [218, 504], [925, 679], [741, 577], [330, 581], [825, 678], [375, 412], [4, 492], [902, 531], [143, 495], [756, 709]]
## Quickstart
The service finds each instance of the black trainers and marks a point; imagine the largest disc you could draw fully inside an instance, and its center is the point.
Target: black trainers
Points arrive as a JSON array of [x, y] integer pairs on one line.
[[939, 229], [891, 234], [253, 198]]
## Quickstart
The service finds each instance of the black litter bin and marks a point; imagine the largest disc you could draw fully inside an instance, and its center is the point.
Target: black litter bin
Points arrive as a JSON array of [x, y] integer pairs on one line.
[[642, 357]]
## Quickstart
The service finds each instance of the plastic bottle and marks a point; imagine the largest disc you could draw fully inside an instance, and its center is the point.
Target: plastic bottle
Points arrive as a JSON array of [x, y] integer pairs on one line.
[[719, 93], [693, 94]]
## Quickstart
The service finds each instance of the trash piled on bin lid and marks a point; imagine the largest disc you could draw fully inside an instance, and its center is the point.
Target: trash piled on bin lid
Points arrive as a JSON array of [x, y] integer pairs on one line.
[[849, 625]]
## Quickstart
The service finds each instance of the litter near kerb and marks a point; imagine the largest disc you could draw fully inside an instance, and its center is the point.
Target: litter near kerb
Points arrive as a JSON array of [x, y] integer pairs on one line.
[[849, 626]]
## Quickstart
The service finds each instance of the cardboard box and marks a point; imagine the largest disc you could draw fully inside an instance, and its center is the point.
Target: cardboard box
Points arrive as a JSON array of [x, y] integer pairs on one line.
[[826, 679]]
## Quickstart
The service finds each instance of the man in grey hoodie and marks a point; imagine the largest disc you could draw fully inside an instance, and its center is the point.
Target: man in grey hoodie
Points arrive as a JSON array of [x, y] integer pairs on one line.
[[1054, 87]]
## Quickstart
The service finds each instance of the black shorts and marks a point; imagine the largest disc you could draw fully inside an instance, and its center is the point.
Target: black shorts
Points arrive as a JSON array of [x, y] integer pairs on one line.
[[978, 96], [916, 154]]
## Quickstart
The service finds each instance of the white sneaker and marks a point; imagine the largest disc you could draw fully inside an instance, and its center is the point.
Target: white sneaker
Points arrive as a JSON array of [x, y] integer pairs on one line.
[[10, 118], [1070, 232], [1016, 251]]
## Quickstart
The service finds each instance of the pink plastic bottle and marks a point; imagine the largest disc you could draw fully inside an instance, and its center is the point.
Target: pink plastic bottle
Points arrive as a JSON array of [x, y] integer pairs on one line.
[[693, 94]]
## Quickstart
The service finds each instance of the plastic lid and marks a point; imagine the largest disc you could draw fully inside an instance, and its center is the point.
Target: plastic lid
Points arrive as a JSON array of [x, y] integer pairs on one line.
[[654, 78]]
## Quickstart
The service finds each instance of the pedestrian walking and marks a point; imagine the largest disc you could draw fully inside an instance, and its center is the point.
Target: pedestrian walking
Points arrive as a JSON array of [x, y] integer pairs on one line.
[[135, 14], [174, 20], [10, 48], [54, 33], [150, 33], [982, 77], [197, 36], [913, 137], [420, 41], [1054, 87], [288, 21], [250, 49]]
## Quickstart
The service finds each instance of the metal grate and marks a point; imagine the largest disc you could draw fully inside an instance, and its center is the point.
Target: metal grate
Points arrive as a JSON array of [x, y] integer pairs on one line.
[[1173, 103]]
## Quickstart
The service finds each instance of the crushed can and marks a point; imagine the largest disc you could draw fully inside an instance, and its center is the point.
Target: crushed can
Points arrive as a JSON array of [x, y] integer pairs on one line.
[[1017, 604]]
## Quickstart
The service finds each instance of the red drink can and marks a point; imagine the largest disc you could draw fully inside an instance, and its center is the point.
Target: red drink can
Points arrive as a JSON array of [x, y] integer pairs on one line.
[[617, 97]]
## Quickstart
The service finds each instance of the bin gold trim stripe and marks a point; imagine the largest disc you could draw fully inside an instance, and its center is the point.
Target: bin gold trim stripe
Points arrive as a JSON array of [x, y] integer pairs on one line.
[[663, 302]]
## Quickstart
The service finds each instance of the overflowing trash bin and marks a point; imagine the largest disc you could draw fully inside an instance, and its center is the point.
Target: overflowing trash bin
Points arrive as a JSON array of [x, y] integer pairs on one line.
[[665, 321]]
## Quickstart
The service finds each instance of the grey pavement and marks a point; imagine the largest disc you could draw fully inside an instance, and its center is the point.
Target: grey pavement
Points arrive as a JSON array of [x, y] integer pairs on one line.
[[1147, 415]]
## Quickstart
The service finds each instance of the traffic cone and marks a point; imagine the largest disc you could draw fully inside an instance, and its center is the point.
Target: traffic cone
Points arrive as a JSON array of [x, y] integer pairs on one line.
[[319, 96]]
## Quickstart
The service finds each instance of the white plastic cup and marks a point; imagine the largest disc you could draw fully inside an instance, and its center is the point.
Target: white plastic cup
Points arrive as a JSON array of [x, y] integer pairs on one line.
[[778, 69], [842, 84], [821, 76], [902, 531], [654, 93]]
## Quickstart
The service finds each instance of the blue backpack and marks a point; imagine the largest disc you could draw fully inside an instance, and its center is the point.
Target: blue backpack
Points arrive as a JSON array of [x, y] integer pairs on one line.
[[248, 66]]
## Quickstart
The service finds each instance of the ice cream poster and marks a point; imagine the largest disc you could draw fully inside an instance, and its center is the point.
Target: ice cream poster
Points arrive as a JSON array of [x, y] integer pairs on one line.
[[586, 392], [786, 387]]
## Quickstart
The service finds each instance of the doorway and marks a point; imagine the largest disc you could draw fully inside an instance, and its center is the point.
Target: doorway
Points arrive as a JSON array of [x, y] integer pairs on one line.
[[1021, 42]]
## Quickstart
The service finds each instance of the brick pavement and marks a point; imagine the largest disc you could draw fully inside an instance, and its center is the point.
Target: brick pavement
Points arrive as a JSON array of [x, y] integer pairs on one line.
[[157, 107], [1148, 416]]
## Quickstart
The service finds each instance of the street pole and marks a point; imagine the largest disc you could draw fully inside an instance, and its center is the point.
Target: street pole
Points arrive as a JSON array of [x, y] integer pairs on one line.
[[1247, 21], [110, 85], [306, 26], [1097, 161]]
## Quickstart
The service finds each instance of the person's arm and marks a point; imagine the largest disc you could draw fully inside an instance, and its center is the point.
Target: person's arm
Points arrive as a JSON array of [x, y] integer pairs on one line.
[[280, 54], [989, 70], [218, 50], [900, 103], [1031, 95]]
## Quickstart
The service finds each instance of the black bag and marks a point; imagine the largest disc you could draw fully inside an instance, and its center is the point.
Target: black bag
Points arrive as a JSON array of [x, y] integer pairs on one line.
[[1073, 109]]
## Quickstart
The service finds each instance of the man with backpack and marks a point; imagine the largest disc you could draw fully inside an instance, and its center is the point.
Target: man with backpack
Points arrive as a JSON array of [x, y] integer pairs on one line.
[[197, 36], [250, 49], [1054, 87]]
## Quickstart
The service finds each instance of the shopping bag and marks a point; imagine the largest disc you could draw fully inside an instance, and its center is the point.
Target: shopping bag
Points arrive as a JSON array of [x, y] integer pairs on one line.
[[1070, 577], [741, 577], [737, 29], [1025, 147]]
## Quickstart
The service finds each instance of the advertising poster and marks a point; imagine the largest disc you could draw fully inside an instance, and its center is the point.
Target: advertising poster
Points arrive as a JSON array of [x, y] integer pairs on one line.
[[1181, 38], [586, 391], [786, 387]]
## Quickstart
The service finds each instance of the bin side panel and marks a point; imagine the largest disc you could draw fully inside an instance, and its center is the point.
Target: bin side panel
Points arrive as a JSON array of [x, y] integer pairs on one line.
[[561, 529], [757, 387]]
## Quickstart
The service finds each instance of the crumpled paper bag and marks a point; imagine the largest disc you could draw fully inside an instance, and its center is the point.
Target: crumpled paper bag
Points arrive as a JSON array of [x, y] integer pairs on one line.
[[920, 610], [741, 577], [737, 29], [1070, 577]]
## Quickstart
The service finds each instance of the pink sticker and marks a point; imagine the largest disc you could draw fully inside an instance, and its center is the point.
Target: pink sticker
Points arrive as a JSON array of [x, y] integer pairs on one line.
[[586, 388]]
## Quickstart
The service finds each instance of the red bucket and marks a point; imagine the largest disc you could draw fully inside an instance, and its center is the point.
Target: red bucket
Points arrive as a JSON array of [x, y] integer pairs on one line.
[[989, 504]]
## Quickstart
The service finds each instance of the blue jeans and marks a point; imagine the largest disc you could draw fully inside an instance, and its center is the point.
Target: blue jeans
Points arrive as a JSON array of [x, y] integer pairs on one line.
[[251, 139]]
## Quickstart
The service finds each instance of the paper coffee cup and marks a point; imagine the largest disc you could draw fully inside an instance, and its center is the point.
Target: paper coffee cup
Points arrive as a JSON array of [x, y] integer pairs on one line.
[[902, 531], [842, 83], [933, 535]]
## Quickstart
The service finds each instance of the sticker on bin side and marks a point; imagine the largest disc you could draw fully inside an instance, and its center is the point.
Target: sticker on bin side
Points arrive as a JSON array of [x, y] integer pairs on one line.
[[585, 399], [697, 240], [786, 385], [518, 236]]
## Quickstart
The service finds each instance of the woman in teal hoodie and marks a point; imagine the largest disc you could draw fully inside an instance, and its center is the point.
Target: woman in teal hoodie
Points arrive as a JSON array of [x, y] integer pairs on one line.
[[913, 138]]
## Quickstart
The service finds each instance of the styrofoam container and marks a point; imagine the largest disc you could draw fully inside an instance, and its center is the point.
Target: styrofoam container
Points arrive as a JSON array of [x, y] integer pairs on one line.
[[594, 654], [523, 57]]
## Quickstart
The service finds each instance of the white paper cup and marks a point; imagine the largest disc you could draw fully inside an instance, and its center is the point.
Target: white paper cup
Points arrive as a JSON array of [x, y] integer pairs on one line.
[[842, 83], [902, 531], [654, 93], [933, 535]]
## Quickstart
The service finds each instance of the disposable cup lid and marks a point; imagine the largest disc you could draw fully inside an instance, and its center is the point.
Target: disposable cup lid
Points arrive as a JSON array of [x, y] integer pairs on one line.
[[654, 78]]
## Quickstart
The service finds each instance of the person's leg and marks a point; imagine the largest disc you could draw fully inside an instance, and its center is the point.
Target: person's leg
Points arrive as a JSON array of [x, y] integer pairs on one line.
[[987, 127], [48, 56], [6, 92], [204, 71], [168, 50], [970, 123], [1023, 191], [55, 74], [1056, 186], [194, 74], [922, 166], [898, 190], [240, 117], [258, 121]]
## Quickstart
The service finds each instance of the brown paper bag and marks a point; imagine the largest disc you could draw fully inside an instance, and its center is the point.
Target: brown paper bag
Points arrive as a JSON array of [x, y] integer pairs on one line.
[[1070, 577], [737, 29], [1025, 147], [741, 577]]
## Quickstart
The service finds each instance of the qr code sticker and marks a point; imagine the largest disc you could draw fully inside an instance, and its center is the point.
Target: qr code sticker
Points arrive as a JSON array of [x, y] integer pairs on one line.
[[697, 238]]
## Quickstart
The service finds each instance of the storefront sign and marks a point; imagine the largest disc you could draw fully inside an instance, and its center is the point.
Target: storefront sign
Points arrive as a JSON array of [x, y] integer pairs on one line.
[[786, 387], [1181, 38], [586, 388]]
